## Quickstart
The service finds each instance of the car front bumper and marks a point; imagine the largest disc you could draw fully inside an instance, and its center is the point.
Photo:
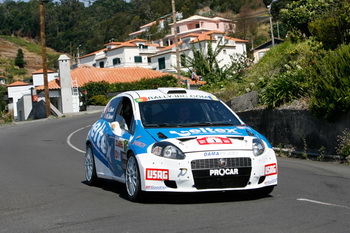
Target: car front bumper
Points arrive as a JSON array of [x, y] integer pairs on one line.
[[208, 171]]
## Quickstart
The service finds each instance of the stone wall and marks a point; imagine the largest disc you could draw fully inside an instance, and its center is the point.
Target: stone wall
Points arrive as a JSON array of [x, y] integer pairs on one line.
[[291, 128]]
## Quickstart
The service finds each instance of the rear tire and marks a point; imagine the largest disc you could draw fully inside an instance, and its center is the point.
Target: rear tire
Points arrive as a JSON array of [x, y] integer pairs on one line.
[[133, 180], [90, 167]]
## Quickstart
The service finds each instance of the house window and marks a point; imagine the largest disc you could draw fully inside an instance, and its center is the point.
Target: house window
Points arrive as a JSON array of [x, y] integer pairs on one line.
[[224, 51], [138, 59], [142, 46], [177, 29], [217, 25], [197, 25], [149, 60], [161, 63], [94, 65], [116, 61], [101, 64]]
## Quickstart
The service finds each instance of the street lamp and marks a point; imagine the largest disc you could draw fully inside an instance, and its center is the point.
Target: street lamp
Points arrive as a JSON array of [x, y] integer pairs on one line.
[[43, 56]]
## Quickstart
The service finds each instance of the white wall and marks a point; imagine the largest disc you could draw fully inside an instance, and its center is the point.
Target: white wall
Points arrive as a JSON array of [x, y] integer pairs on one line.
[[38, 79], [16, 93]]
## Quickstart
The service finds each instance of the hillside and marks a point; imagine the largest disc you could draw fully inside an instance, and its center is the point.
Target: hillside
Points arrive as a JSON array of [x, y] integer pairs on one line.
[[32, 56]]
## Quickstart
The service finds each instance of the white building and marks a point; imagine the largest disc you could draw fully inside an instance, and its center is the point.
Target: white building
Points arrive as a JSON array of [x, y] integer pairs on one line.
[[192, 31], [15, 92], [133, 53]]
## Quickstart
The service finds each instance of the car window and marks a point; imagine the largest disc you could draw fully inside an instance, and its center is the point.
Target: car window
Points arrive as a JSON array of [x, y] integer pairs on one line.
[[125, 110], [186, 112], [109, 112]]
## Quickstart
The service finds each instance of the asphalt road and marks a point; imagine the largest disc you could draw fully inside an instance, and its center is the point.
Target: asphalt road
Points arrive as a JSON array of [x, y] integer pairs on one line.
[[42, 189]]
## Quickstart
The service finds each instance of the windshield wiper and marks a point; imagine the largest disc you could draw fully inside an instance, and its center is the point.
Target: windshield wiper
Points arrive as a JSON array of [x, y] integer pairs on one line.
[[208, 123], [160, 125]]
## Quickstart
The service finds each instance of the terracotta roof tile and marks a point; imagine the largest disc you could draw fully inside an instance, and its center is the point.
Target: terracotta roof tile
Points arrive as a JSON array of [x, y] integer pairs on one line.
[[17, 83], [85, 74], [170, 47], [41, 71], [53, 85], [93, 53]]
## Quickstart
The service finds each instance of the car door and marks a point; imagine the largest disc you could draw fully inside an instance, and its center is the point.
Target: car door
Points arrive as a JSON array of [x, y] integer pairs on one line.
[[125, 117]]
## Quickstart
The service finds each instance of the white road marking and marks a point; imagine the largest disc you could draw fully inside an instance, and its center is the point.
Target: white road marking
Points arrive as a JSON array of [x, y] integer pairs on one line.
[[323, 203], [69, 137]]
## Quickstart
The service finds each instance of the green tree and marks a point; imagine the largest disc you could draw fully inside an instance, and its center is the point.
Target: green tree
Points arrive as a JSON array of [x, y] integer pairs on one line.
[[19, 61], [298, 14], [205, 61]]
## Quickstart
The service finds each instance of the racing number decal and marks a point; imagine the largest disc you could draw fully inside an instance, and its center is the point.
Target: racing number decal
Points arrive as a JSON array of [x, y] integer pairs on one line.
[[157, 174], [271, 169], [213, 140]]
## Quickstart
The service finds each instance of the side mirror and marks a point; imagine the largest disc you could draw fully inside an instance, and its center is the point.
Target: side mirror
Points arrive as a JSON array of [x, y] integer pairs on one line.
[[116, 128], [119, 125]]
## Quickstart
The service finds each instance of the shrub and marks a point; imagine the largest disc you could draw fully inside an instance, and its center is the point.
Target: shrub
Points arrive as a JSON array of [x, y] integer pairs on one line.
[[95, 88], [283, 89], [343, 148], [100, 100], [331, 84]]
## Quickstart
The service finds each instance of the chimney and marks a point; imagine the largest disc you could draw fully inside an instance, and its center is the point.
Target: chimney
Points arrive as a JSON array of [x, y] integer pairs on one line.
[[66, 84]]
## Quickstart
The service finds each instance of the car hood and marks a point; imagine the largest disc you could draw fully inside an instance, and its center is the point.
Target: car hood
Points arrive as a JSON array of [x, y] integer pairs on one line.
[[168, 133], [207, 138]]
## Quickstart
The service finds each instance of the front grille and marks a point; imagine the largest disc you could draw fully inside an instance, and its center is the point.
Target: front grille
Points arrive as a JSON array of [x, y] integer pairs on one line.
[[221, 172], [200, 164]]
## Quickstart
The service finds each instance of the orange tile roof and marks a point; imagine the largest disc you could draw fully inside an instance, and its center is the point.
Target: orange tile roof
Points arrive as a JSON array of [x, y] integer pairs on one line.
[[41, 71], [87, 55], [170, 46], [85, 74], [53, 85], [17, 83]]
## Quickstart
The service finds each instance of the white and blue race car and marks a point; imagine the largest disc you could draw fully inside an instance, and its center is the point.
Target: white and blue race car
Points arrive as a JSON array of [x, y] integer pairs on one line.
[[177, 140]]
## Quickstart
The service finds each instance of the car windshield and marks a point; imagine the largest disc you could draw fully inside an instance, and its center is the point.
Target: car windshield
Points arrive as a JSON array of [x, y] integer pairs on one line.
[[186, 113]]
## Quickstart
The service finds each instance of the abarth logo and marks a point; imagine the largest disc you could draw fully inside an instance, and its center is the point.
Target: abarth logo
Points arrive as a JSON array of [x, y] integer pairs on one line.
[[222, 162]]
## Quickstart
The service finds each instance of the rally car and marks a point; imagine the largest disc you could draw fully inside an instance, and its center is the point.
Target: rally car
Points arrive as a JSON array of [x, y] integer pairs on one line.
[[177, 140]]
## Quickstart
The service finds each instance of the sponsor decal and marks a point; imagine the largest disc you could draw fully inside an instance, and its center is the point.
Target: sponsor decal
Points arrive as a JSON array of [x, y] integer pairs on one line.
[[119, 143], [223, 172], [219, 153], [270, 182], [159, 97], [212, 97], [141, 99], [109, 113], [213, 140], [98, 137], [184, 133], [157, 174], [270, 169], [139, 144], [125, 145], [151, 187]]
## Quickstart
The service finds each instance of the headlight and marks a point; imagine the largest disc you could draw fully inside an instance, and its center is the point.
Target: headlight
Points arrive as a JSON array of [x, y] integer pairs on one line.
[[167, 150], [258, 147]]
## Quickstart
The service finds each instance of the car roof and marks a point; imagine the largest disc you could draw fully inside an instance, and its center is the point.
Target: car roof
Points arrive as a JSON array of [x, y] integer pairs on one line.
[[168, 93]]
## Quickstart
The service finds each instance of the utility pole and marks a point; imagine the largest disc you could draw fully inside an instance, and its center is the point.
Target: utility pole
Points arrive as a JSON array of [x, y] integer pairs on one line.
[[176, 43], [43, 55], [271, 27]]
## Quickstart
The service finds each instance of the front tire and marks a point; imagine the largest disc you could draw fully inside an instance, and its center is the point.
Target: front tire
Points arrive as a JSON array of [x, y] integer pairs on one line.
[[132, 180], [90, 168]]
